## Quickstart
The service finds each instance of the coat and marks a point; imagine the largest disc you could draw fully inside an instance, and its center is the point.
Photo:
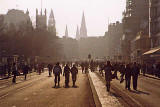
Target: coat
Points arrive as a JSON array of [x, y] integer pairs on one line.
[[108, 73], [74, 72]]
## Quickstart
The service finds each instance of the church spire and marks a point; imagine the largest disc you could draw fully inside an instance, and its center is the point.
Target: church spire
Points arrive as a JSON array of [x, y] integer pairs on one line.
[[77, 33], [66, 32], [52, 23], [83, 29], [51, 14]]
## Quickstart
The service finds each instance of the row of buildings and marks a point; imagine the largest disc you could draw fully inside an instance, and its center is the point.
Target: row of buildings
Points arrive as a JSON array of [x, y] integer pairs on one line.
[[19, 19], [137, 38]]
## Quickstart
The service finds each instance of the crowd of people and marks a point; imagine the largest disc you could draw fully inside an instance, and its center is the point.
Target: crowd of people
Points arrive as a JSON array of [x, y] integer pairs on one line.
[[107, 69]]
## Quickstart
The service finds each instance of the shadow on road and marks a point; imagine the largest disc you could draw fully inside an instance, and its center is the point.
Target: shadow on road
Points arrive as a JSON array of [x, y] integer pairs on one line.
[[139, 92]]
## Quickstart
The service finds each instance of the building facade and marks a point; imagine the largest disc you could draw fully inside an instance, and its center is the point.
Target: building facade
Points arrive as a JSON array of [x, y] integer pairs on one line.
[[41, 20], [17, 19], [135, 19]]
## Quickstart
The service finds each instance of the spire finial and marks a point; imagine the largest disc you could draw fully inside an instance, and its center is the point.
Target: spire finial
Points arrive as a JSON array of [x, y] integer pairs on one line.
[[66, 32]]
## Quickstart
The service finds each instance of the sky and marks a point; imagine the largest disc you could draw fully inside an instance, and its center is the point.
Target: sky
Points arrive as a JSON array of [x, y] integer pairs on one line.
[[98, 13]]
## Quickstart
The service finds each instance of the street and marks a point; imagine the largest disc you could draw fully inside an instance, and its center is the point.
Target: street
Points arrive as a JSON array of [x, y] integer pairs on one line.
[[38, 92], [147, 95]]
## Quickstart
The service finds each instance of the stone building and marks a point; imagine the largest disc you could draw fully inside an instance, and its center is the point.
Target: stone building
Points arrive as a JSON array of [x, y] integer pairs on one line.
[[18, 19], [41, 20], [139, 45], [113, 36], [153, 53], [135, 19]]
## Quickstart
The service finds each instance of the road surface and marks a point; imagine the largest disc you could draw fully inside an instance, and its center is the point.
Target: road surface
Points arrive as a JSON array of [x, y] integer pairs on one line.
[[38, 92], [148, 94]]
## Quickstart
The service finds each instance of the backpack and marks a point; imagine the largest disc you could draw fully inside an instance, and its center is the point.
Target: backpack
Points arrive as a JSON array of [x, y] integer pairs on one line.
[[56, 70]]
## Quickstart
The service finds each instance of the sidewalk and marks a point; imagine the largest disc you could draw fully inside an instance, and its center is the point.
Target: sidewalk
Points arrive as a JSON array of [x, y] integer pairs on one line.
[[150, 76], [4, 77], [99, 89]]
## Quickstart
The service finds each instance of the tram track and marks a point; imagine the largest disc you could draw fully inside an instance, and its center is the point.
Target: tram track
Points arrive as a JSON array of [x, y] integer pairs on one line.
[[20, 86], [125, 99]]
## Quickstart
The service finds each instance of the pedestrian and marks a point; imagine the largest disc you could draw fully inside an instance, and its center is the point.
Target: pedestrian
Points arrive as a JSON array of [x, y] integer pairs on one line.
[[116, 70], [122, 71], [50, 67], [66, 73], [135, 73], [144, 69], [108, 74], [14, 72], [128, 74], [101, 65], [82, 66], [74, 72], [26, 69], [39, 68], [86, 67], [57, 71], [9, 70]]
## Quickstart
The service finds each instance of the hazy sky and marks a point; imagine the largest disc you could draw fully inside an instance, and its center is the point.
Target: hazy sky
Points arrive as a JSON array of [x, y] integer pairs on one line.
[[97, 13]]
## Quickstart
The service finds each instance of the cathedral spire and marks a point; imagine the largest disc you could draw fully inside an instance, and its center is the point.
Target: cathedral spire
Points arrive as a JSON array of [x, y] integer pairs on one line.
[[77, 33], [83, 29], [66, 32], [52, 23], [51, 14]]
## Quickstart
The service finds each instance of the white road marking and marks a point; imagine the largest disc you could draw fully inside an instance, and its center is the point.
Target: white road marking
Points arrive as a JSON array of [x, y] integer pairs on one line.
[[3, 86], [25, 99], [3, 96], [34, 93]]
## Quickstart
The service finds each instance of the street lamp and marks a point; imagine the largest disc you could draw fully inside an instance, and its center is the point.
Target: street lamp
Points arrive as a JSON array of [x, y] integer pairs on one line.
[[150, 34]]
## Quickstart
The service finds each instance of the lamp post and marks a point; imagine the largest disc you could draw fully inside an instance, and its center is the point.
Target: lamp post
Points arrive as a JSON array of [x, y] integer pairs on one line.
[[150, 20]]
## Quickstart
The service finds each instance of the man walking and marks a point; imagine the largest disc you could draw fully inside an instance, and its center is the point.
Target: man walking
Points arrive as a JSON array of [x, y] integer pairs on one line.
[[66, 73], [14, 72], [128, 73], [50, 67], [74, 72], [108, 74], [25, 71], [57, 71], [135, 73]]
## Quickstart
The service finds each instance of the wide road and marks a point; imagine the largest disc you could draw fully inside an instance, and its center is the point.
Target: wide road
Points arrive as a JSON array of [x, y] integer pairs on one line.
[[147, 95], [38, 92]]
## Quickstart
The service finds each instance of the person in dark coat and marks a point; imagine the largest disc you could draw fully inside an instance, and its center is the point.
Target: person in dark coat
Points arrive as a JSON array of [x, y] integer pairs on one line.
[[122, 71], [82, 66], [14, 72], [108, 74], [57, 71], [86, 67], [144, 69], [116, 70], [128, 74], [66, 73], [50, 67], [9, 70], [26, 69], [74, 72], [135, 73]]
